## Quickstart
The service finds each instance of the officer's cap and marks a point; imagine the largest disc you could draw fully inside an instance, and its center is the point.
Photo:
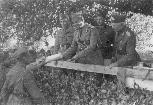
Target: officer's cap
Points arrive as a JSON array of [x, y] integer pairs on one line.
[[77, 14], [117, 18]]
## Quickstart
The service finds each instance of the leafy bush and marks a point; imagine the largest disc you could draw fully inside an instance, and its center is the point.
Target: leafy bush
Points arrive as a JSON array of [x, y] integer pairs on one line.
[[69, 87], [29, 20]]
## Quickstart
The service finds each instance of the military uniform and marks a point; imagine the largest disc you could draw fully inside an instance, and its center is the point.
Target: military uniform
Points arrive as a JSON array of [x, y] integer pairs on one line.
[[124, 52], [2, 76], [20, 87], [4, 68], [63, 40], [84, 46], [106, 41], [124, 48]]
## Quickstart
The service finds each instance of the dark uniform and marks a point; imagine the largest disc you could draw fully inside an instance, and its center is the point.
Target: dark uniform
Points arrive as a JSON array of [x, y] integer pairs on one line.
[[124, 48], [107, 36], [124, 52], [4, 68], [20, 87], [63, 40], [84, 46], [2, 76]]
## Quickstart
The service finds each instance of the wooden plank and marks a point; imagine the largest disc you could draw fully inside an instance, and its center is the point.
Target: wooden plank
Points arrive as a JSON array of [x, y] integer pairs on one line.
[[82, 67], [146, 84], [135, 73]]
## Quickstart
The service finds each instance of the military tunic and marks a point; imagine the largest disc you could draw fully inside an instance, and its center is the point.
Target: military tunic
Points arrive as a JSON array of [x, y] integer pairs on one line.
[[4, 68], [63, 40], [124, 52], [106, 41], [2, 76], [84, 46], [20, 87]]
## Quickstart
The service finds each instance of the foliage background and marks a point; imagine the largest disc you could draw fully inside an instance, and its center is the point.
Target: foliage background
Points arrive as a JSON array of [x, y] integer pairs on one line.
[[28, 21], [32, 22]]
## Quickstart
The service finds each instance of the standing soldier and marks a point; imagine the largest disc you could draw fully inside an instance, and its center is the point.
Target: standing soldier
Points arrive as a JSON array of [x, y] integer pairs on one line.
[[106, 38], [20, 87], [125, 44], [64, 36], [84, 44]]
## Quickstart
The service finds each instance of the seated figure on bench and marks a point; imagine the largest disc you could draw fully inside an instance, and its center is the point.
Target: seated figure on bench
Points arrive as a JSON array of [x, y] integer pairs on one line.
[[84, 45], [64, 36], [124, 47], [106, 34], [125, 43]]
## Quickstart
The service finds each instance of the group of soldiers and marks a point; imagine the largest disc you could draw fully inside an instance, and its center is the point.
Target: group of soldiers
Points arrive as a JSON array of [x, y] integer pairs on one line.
[[112, 46], [84, 43], [77, 41]]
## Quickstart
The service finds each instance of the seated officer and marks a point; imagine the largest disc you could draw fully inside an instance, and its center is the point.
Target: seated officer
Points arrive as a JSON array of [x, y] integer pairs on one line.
[[106, 34], [64, 36], [124, 47], [84, 44], [125, 43], [20, 87]]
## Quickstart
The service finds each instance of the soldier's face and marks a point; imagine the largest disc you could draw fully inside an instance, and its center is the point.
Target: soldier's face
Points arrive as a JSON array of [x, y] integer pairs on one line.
[[117, 26], [77, 21], [64, 23], [99, 20]]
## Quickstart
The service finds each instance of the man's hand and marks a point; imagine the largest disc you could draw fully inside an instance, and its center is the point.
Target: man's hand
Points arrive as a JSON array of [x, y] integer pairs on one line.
[[42, 63], [42, 59], [112, 65], [54, 57], [35, 65], [73, 60]]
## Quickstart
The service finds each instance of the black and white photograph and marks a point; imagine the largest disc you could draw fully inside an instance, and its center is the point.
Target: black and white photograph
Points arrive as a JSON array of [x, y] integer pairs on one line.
[[76, 52]]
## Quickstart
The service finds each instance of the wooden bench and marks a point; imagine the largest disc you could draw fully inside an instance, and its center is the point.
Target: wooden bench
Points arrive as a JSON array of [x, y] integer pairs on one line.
[[143, 76]]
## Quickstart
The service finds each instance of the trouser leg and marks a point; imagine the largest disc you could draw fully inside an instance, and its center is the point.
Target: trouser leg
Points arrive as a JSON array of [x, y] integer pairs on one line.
[[35, 92], [2, 78]]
